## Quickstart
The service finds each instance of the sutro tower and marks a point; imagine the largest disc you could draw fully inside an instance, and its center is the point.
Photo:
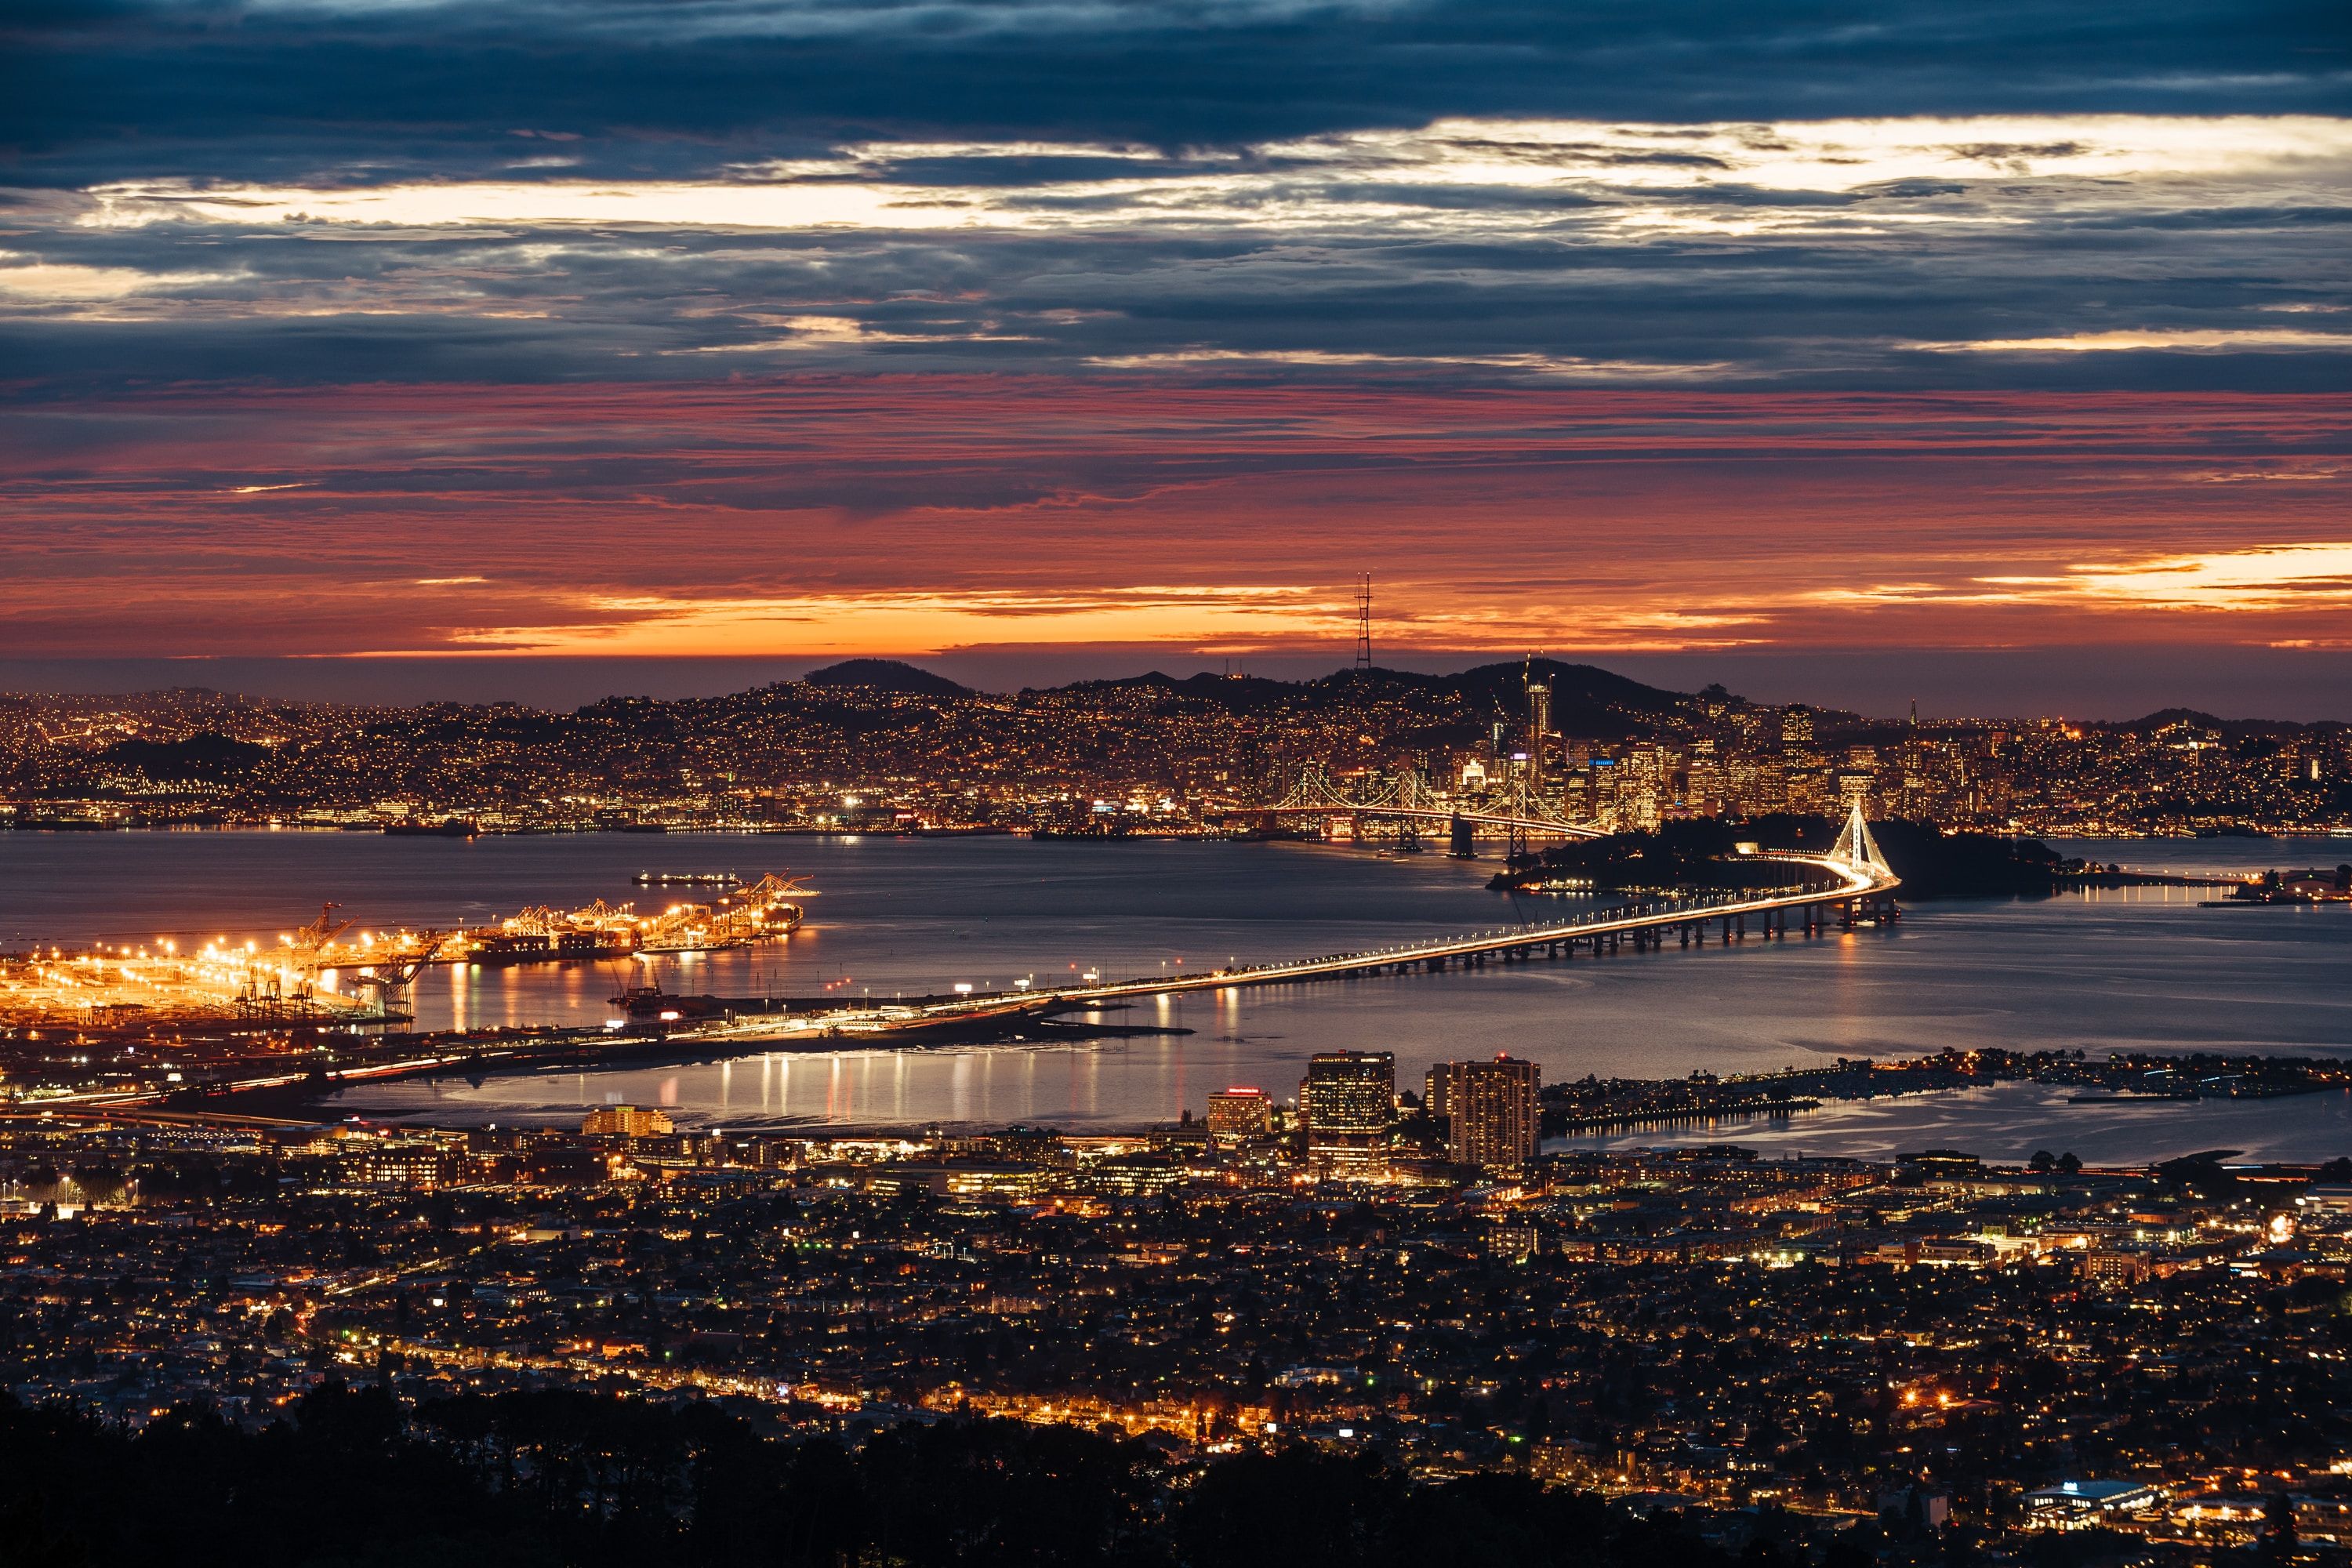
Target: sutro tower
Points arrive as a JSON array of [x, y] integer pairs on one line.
[[1364, 621]]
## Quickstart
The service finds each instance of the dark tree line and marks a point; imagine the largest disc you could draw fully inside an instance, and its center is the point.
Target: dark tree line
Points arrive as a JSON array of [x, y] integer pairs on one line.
[[352, 1479]]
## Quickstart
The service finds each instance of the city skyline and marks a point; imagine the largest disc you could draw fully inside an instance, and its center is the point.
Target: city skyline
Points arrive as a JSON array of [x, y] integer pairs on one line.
[[871, 744]]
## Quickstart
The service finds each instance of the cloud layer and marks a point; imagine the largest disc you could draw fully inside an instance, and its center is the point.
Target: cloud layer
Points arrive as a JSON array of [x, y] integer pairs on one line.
[[760, 326], [868, 514], [2048, 250]]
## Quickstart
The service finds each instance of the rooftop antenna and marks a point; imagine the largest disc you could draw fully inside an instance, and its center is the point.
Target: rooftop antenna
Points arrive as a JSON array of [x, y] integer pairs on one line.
[[1364, 621]]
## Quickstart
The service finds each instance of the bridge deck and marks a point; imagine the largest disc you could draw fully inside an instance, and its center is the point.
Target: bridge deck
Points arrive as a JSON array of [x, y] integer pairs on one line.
[[1848, 883], [1533, 827], [1851, 884]]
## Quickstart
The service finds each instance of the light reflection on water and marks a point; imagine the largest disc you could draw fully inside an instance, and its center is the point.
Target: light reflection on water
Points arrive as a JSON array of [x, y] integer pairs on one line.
[[2144, 968]]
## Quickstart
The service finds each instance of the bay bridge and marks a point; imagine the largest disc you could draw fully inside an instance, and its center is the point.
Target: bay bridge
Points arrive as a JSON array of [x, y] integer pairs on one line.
[[1406, 799], [1846, 885]]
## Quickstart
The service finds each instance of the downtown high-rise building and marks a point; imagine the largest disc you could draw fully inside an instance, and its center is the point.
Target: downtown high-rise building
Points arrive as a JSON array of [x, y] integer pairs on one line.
[[1348, 1102], [1491, 1110], [1239, 1115]]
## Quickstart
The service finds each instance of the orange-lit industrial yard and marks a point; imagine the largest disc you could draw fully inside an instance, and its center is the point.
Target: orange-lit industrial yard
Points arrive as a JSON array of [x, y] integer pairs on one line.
[[332, 971]]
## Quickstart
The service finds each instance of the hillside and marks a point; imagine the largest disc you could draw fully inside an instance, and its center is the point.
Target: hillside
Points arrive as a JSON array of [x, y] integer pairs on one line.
[[886, 674]]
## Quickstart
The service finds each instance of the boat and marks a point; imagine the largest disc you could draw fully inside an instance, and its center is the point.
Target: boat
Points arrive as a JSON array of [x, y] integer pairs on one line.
[[687, 879], [502, 949], [768, 908], [651, 1004]]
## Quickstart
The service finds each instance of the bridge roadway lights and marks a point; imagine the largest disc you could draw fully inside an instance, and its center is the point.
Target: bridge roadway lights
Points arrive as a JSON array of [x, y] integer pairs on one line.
[[1811, 919]]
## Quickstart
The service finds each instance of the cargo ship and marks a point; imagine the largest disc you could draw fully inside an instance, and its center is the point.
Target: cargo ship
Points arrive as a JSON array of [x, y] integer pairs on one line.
[[498, 948], [768, 908]]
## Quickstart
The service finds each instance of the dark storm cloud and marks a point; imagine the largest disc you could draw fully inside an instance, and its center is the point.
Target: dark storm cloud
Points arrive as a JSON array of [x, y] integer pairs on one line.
[[1459, 191], [257, 90]]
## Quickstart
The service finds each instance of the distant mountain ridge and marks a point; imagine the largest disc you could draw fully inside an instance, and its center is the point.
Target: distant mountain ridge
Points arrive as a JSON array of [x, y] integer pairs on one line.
[[197, 758], [1585, 700]]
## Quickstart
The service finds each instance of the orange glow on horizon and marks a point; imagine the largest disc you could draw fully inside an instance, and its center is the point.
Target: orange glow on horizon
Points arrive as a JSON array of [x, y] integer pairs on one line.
[[913, 515]]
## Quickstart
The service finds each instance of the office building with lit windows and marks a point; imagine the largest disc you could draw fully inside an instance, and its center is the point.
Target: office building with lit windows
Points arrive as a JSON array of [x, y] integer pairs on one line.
[[1348, 1103], [1238, 1115], [1491, 1112]]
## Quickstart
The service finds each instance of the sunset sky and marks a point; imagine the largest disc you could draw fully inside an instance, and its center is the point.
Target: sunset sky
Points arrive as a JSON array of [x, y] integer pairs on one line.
[[1997, 354]]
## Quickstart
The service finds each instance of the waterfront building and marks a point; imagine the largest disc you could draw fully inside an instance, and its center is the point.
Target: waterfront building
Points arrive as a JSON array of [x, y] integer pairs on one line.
[[1238, 1115], [627, 1122]]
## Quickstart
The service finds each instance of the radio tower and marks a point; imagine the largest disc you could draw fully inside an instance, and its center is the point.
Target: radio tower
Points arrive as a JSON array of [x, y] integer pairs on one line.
[[1364, 621]]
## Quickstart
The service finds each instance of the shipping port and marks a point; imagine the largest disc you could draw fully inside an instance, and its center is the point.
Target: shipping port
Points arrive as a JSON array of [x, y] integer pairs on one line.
[[331, 973]]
